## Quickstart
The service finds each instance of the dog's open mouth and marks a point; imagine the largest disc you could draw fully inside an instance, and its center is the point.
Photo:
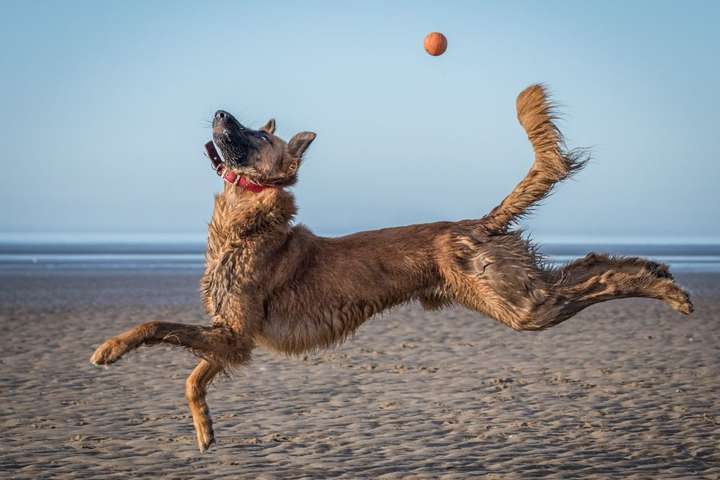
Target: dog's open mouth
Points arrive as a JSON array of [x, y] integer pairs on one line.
[[227, 174]]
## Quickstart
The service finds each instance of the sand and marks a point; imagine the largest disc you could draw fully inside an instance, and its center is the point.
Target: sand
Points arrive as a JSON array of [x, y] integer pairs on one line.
[[628, 389]]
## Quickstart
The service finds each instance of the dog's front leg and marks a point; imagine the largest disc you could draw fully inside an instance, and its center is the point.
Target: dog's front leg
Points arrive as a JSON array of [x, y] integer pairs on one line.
[[220, 346], [211, 341], [198, 381], [195, 391], [241, 321]]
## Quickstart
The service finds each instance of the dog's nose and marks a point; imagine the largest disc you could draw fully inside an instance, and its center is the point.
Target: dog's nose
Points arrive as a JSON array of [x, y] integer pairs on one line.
[[224, 120]]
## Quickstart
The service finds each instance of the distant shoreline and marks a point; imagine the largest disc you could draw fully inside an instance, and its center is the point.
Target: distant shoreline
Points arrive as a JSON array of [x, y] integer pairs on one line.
[[33, 256], [187, 244]]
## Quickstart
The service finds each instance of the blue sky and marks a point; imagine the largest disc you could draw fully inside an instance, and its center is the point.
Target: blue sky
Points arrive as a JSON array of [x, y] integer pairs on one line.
[[106, 108]]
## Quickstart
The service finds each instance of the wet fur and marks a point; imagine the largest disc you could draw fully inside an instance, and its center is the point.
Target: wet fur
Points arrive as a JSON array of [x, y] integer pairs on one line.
[[273, 284]]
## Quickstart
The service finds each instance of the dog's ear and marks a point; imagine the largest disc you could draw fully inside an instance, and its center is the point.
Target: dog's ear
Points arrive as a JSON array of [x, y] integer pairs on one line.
[[299, 143], [269, 127]]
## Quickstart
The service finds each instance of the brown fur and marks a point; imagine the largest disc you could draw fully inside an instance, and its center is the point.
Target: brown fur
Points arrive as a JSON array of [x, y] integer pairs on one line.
[[268, 283]]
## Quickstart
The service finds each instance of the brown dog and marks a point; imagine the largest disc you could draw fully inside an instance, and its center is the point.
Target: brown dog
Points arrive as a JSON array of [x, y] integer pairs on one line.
[[279, 286]]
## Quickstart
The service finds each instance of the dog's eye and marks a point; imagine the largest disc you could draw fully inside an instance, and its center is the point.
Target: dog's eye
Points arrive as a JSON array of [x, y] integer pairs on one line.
[[265, 137]]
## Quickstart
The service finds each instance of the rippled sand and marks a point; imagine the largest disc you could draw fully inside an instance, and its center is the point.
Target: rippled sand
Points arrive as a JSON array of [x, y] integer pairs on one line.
[[628, 389]]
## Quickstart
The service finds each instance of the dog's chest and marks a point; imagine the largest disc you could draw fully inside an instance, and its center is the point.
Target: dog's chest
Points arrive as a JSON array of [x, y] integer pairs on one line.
[[230, 272]]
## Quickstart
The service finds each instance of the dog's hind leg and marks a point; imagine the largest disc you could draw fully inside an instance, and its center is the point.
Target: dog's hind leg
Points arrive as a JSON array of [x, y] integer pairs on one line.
[[502, 277], [217, 343], [599, 278]]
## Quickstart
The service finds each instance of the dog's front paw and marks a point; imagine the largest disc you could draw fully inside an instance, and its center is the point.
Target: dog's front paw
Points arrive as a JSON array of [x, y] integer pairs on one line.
[[109, 352], [205, 438], [203, 429]]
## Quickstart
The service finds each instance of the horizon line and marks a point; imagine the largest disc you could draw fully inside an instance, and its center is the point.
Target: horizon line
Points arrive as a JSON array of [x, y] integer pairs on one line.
[[80, 238]]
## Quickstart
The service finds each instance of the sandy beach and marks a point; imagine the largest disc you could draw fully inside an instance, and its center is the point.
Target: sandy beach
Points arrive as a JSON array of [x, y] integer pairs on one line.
[[627, 389]]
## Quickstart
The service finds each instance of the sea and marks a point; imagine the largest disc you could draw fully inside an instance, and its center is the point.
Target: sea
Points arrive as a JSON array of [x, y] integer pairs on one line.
[[29, 253]]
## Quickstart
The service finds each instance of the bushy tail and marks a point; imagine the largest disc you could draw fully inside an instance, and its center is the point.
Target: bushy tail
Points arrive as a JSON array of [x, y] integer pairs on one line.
[[553, 163]]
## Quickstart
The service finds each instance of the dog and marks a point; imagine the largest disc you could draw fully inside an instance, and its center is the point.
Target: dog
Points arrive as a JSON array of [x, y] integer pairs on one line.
[[273, 284]]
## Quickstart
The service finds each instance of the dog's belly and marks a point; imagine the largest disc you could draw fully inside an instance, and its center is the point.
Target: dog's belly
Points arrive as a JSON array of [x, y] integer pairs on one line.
[[321, 327], [293, 336]]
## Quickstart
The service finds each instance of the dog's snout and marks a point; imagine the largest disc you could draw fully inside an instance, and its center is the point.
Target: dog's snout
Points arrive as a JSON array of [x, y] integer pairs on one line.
[[223, 119]]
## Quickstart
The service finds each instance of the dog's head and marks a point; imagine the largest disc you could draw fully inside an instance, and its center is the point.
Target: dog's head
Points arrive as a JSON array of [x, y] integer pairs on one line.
[[259, 155]]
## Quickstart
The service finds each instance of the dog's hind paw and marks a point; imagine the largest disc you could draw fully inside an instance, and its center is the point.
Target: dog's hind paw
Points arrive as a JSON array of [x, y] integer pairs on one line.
[[679, 300], [109, 352], [684, 306]]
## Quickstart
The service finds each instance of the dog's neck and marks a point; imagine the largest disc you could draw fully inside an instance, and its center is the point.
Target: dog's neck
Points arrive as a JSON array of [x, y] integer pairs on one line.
[[233, 179], [253, 212]]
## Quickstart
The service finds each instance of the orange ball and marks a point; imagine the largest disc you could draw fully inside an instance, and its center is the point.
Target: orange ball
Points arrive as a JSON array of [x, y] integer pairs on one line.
[[435, 43]]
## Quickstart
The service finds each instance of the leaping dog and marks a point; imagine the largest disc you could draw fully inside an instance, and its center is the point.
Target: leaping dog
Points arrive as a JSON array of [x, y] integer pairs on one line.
[[273, 284]]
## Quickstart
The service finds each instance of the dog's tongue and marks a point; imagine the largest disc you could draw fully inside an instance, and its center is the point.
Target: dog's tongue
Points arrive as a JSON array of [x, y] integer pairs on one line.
[[213, 155]]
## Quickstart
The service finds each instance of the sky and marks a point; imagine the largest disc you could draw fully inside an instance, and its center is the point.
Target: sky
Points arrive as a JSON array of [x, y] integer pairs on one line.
[[106, 107]]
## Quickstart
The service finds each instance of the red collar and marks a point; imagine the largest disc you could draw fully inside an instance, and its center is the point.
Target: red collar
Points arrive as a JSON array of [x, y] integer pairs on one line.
[[227, 174]]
